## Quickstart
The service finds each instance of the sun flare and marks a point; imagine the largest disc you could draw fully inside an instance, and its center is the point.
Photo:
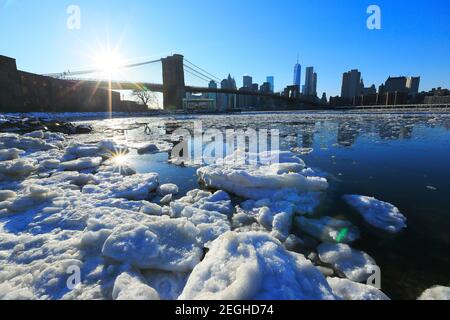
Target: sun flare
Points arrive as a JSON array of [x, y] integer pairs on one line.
[[108, 61]]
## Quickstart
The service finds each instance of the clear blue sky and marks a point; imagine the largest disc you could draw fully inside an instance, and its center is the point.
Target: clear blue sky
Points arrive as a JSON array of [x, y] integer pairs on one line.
[[259, 38]]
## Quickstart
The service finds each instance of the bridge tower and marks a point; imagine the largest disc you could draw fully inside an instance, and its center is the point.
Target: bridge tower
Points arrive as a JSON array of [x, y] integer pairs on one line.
[[174, 90]]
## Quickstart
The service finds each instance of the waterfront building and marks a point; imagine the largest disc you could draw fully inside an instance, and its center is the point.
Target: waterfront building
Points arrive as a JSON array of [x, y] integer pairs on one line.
[[403, 84], [351, 84]]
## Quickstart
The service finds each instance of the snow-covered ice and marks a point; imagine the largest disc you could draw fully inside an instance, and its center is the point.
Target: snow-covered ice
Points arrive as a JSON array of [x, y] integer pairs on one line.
[[253, 181], [377, 213], [254, 266], [168, 244], [356, 265], [168, 188], [436, 293], [130, 287], [349, 290]]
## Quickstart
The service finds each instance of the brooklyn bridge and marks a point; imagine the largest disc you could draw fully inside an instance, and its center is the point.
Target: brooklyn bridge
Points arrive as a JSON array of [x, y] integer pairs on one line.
[[174, 87], [75, 91]]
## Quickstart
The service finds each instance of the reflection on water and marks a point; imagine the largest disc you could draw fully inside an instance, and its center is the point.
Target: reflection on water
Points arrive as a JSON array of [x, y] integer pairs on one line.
[[400, 158]]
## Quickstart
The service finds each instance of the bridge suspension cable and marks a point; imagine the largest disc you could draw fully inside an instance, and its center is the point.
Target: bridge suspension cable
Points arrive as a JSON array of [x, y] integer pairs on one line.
[[196, 73], [90, 71], [199, 77], [210, 75]]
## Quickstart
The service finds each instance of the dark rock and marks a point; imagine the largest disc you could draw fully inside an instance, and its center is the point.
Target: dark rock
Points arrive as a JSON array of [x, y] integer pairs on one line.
[[28, 124]]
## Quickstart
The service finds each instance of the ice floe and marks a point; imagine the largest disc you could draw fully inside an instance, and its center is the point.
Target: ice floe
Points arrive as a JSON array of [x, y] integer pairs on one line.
[[377, 213], [349, 290], [436, 293], [356, 265], [260, 181], [247, 266], [168, 188]]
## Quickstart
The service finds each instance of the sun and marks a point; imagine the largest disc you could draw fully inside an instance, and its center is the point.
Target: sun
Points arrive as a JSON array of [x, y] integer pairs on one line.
[[108, 61]]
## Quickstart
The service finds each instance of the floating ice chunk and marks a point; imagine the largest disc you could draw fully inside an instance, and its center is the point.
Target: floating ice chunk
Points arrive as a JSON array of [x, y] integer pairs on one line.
[[257, 182], [302, 151], [436, 293], [244, 266], [266, 158], [151, 209], [81, 164], [169, 285], [149, 148], [35, 134], [168, 188], [237, 175], [349, 290], [169, 245], [130, 287], [328, 229], [355, 265], [17, 168], [10, 154], [377, 213]]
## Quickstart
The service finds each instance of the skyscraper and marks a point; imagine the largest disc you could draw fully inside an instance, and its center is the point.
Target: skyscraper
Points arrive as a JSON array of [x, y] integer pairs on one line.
[[310, 88], [351, 84], [271, 81], [297, 74], [247, 81]]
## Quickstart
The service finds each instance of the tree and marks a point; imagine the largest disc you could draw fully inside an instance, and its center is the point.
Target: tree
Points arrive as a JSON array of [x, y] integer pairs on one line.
[[145, 96]]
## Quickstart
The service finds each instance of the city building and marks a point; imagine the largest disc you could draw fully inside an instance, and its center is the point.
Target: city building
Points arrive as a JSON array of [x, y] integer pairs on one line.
[[413, 83], [271, 81], [351, 84], [310, 88], [227, 101], [408, 85], [212, 85], [247, 81], [297, 74], [265, 88]]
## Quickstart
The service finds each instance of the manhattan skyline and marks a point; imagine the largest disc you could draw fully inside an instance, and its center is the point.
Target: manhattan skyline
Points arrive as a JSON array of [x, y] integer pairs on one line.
[[330, 36]]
